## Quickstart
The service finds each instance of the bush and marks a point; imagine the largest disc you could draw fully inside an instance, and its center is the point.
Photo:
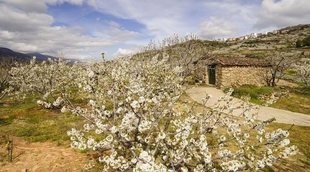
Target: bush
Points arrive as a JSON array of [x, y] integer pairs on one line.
[[298, 44], [306, 41], [303, 43]]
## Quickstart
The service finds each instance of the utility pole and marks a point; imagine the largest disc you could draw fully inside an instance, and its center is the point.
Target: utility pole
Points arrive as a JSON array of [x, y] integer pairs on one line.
[[102, 56]]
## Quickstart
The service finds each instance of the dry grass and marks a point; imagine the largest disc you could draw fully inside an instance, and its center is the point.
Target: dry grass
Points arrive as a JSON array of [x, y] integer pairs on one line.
[[295, 102]]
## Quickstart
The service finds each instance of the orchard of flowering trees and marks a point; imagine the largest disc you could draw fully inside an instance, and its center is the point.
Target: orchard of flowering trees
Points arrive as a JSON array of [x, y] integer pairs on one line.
[[132, 123]]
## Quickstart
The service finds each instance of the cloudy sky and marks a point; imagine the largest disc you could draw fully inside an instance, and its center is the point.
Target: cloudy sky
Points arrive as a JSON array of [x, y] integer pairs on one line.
[[85, 28]]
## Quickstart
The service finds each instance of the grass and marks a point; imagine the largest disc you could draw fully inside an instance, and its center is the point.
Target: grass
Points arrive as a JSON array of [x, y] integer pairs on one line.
[[34, 124], [298, 99], [291, 72], [254, 92], [295, 102]]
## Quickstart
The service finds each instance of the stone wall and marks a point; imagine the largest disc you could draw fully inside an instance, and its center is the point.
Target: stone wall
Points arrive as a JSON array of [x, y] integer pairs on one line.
[[206, 75], [218, 75], [236, 76], [227, 76]]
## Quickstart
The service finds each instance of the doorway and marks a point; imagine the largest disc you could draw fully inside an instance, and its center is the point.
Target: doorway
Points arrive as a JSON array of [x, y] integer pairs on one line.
[[211, 74]]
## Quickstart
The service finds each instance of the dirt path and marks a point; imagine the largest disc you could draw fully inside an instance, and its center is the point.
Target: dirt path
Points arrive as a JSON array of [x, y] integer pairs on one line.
[[41, 157], [282, 116]]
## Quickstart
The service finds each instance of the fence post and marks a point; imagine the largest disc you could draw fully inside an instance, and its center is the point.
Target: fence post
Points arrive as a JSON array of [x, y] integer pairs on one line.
[[10, 148]]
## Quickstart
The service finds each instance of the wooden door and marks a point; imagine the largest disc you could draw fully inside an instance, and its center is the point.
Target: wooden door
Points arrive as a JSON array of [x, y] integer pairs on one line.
[[211, 74]]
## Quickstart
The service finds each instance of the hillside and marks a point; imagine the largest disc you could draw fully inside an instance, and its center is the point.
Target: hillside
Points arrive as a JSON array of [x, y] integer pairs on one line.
[[257, 45], [40, 57], [8, 54], [191, 54]]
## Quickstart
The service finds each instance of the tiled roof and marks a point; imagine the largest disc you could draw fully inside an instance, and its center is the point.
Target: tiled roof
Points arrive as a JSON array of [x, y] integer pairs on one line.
[[238, 61]]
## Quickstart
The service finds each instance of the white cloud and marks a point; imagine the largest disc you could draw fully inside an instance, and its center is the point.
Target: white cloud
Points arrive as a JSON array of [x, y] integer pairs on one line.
[[6, 35], [24, 5], [28, 30], [34, 27], [216, 28], [124, 52], [27, 26], [25, 47], [75, 2], [282, 13], [231, 17], [18, 20], [162, 18]]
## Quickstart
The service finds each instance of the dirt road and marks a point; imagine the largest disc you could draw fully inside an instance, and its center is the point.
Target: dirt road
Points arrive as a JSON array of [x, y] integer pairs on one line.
[[282, 116]]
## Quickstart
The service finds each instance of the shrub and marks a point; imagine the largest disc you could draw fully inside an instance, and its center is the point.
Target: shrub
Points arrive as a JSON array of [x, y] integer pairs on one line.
[[303, 43], [298, 43], [306, 41]]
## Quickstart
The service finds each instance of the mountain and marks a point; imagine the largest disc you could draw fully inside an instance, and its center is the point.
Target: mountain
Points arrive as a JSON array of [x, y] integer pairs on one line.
[[40, 57], [8, 54]]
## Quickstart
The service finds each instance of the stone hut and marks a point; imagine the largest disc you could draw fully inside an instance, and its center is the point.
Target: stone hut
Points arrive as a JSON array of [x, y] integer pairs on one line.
[[235, 71]]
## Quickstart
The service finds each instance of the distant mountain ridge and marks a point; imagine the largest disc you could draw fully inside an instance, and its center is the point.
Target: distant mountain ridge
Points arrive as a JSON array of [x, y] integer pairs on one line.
[[6, 53], [41, 57]]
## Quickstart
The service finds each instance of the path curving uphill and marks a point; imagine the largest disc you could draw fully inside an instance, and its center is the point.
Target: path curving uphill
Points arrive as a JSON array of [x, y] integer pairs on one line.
[[264, 113]]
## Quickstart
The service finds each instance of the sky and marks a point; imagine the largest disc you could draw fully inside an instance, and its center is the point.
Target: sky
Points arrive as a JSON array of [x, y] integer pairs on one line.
[[83, 29]]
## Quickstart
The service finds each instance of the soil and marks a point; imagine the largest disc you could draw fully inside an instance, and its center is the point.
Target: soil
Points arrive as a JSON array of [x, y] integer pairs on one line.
[[40, 157]]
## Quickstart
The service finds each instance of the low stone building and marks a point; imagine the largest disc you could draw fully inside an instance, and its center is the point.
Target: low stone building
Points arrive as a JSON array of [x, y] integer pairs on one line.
[[236, 71]]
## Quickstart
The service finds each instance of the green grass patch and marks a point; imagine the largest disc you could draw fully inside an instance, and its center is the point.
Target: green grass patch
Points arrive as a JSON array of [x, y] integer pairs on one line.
[[254, 92], [303, 90], [297, 100], [34, 124], [291, 72]]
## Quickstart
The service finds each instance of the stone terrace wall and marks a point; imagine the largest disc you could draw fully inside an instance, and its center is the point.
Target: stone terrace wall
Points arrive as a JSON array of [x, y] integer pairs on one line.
[[218, 75], [236, 76]]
